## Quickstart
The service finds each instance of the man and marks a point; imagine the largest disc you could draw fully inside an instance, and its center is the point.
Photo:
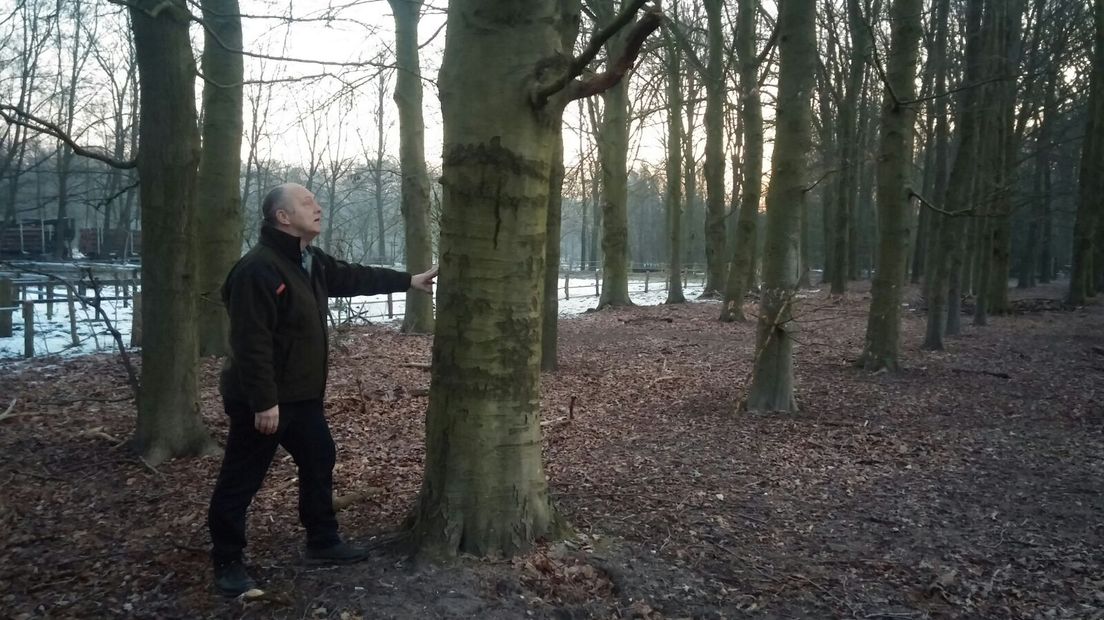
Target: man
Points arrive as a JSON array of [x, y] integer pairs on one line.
[[275, 376]]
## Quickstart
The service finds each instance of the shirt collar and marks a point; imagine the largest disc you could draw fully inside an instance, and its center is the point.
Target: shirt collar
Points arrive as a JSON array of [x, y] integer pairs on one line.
[[282, 242]]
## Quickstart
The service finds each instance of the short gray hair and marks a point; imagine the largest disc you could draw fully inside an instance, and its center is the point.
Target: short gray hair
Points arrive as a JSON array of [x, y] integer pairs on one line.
[[273, 202]]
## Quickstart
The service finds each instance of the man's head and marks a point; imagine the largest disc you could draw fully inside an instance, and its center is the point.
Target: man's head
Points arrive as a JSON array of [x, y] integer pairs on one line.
[[292, 208]]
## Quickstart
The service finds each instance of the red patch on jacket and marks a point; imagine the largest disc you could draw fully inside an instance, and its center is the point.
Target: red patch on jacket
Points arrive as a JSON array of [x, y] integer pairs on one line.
[[280, 289]]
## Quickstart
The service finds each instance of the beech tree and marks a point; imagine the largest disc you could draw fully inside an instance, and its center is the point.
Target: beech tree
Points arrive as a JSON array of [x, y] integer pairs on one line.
[[742, 269], [418, 317], [504, 82], [772, 379], [219, 177], [895, 189], [169, 424], [1086, 231]]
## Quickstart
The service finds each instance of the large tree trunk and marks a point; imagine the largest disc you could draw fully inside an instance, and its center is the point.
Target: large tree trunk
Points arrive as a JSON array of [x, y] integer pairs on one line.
[[484, 489], [715, 263], [169, 424], [673, 200], [415, 188], [772, 379], [218, 185], [1091, 181], [751, 111], [894, 188]]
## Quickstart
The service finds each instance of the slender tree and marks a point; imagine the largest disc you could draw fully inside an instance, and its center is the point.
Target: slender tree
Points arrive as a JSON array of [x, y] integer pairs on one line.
[[219, 181], [613, 150], [772, 379], [418, 317], [169, 424], [715, 257], [1082, 281], [742, 269], [673, 200], [946, 258], [894, 187]]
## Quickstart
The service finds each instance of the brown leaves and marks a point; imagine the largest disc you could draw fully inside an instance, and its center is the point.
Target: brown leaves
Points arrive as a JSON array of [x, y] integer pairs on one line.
[[560, 578]]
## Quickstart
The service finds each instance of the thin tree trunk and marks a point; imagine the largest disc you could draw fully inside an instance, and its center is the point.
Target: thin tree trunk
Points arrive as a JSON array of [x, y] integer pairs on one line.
[[714, 155], [1091, 182], [742, 270], [849, 149], [418, 318], [772, 379], [945, 264], [613, 149], [674, 171], [894, 188], [169, 424], [219, 246]]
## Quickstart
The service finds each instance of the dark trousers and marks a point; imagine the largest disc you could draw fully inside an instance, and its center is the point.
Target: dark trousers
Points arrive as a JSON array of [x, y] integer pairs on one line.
[[303, 432]]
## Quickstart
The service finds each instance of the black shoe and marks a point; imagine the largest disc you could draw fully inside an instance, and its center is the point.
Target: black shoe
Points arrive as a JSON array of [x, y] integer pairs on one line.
[[231, 578], [341, 553]]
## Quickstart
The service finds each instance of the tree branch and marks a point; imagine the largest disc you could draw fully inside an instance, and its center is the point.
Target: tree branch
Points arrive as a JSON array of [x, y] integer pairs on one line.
[[15, 116], [605, 80], [929, 205], [579, 63]]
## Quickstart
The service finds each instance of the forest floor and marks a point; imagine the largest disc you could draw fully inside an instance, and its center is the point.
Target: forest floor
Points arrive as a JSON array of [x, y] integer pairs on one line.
[[968, 485]]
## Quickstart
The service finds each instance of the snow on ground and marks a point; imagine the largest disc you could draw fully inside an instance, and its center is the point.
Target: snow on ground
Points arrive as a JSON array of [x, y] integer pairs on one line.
[[52, 336]]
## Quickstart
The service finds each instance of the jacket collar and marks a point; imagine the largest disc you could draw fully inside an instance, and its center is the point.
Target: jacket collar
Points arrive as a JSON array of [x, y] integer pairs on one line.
[[285, 244]]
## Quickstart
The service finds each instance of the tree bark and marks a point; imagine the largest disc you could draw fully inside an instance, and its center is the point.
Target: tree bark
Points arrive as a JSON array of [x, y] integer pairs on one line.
[[613, 151], [772, 379], [1082, 281], [751, 111], [169, 424], [945, 263], [673, 201], [217, 188], [418, 317], [484, 490], [714, 166], [894, 188], [849, 163]]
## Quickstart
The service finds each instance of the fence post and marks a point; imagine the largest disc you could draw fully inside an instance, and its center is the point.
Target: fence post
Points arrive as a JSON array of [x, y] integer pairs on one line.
[[597, 293], [390, 307], [136, 322], [567, 285], [72, 317], [50, 300], [28, 329], [6, 301], [647, 278]]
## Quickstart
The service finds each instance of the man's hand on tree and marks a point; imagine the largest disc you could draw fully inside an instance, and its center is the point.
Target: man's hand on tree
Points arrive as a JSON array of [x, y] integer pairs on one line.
[[424, 281], [268, 420]]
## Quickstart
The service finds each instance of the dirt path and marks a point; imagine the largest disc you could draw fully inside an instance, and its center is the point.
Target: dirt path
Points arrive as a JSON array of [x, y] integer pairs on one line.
[[969, 485]]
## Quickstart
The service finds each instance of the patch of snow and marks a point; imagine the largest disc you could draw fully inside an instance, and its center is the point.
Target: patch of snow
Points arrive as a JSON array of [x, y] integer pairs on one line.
[[52, 337]]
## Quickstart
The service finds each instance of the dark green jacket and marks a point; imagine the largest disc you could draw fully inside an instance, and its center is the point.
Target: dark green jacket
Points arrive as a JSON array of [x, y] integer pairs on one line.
[[278, 313]]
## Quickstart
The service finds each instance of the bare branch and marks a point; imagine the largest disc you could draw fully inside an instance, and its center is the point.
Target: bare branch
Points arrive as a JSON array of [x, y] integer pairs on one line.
[[214, 35], [603, 81], [579, 64], [16, 116]]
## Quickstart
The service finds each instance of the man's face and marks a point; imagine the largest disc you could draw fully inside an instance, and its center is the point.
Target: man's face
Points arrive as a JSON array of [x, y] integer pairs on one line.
[[304, 214]]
